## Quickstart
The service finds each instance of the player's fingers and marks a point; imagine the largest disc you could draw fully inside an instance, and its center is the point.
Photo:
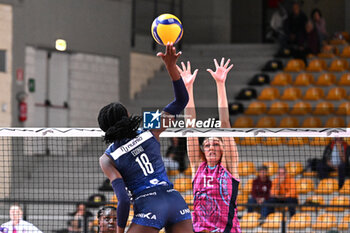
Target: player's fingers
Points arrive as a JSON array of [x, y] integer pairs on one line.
[[228, 62], [188, 66], [160, 54], [229, 68], [210, 71], [178, 69], [178, 54], [195, 73], [216, 63], [222, 62], [167, 48], [183, 66]]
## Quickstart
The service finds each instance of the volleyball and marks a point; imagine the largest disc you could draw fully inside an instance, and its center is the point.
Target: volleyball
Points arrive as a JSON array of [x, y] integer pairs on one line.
[[166, 28]]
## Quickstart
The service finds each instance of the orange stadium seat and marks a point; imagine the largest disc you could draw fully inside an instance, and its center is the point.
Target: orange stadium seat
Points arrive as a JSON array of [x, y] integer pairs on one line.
[[242, 198], [339, 200], [346, 52], [243, 122], [289, 122], [328, 51], [114, 201], [326, 79], [344, 223], [338, 65], [323, 108], [250, 220], [247, 141], [278, 108], [297, 141], [183, 184], [247, 187], [313, 93], [325, 221], [173, 172], [304, 79], [272, 167], [346, 188], [344, 80], [300, 221], [327, 186], [269, 93], [246, 168], [316, 65], [189, 200], [294, 168], [188, 171], [295, 65], [266, 122], [305, 185], [281, 79], [301, 108], [309, 174], [319, 141], [273, 141], [291, 93], [256, 108], [273, 221], [312, 122], [313, 200], [335, 122], [336, 93]]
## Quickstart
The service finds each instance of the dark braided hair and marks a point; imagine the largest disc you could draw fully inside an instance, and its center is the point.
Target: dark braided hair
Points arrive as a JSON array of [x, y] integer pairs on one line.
[[100, 212], [114, 120]]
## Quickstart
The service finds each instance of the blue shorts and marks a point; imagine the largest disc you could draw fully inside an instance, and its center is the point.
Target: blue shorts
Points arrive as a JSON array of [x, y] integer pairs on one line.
[[160, 207]]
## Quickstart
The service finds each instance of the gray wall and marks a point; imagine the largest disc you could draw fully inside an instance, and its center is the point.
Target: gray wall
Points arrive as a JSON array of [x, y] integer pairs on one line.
[[347, 16], [89, 26]]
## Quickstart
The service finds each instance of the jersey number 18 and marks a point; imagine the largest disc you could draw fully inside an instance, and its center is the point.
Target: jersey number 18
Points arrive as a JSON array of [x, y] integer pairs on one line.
[[144, 164]]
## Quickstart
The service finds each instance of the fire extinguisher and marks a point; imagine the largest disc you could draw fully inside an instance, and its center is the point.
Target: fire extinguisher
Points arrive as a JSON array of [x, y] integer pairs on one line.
[[22, 111]]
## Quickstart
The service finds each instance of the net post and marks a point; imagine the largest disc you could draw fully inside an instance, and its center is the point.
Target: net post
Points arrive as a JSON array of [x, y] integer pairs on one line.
[[283, 223]]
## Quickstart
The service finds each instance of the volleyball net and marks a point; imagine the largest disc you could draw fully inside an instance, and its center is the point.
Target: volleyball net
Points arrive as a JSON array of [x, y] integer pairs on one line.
[[49, 171]]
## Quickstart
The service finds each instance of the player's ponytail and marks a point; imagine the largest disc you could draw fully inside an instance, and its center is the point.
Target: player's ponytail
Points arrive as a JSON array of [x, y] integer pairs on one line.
[[113, 119]]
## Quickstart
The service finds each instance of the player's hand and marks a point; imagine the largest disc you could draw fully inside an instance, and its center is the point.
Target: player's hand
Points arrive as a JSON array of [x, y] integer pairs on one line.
[[170, 56], [186, 74], [221, 71]]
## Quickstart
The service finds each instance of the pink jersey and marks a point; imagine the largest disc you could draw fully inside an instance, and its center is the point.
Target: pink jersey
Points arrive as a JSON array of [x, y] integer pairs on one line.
[[214, 206]]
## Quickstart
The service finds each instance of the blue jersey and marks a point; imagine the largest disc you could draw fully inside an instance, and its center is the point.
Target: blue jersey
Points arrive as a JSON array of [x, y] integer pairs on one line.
[[139, 161]]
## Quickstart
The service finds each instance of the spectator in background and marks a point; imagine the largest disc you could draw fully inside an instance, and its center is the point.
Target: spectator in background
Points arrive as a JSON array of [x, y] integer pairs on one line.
[[80, 220], [296, 24], [277, 27], [283, 191], [335, 158], [17, 224], [260, 190], [175, 157], [320, 25], [107, 219]]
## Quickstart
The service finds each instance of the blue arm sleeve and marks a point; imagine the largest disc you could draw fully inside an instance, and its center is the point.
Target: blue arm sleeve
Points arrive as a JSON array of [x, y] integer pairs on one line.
[[181, 98], [123, 202]]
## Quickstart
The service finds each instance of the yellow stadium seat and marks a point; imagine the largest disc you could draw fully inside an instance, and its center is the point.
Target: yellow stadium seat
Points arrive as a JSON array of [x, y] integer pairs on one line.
[[327, 186], [301, 108], [273, 221], [298, 141], [281, 79], [255, 108], [313, 93], [314, 200], [323, 108], [289, 122], [319, 141], [339, 200], [243, 122], [326, 79], [249, 220], [312, 122], [338, 65], [304, 79], [305, 185], [266, 122], [246, 168], [335, 122], [325, 221], [247, 188], [295, 65], [183, 184], [345, 223], [316, 65], [294, 168], [242, 198], [250, 141], [291, 93], [300, 221], [344, 80], [346, 188], [188, 171], [336, 93], [273, 141], [278, 108], [272, 167], [346, 52], [269, 93]]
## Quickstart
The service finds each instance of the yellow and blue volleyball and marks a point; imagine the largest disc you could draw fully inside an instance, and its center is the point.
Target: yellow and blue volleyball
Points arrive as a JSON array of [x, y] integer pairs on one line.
[[166, 28]]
